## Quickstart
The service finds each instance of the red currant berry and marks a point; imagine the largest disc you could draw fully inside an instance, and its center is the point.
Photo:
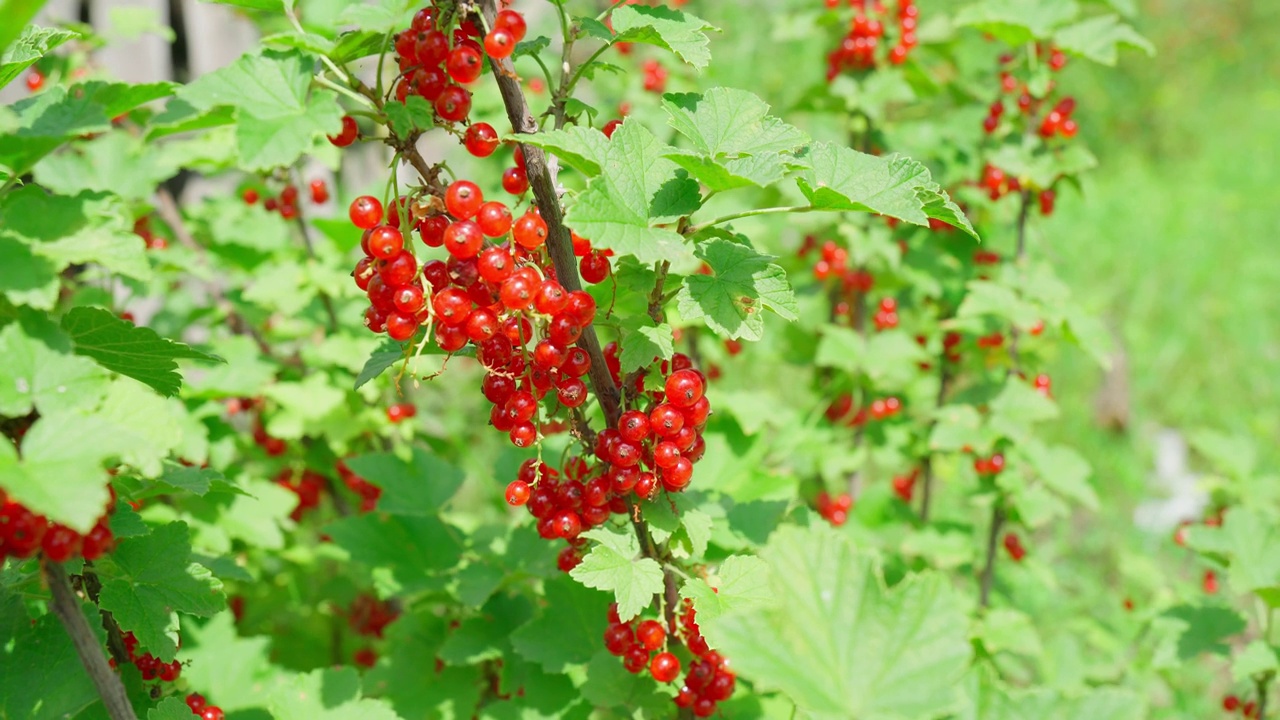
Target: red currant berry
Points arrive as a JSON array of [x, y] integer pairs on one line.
[[365, 212], [511, 21], [399, 270], [463, 199], [499, 44], [517, 493], [454, 104], [385, 242], [594, 267], [481, 140], [408, 299], [495, 264], [530, 231], [319, 192], [348, 134], [684, 388], [494, 219], [524, 435], [250, 196], [451, 306], [401, 327], [431, 48], [571, 392], [610, 128], [651, 635], [463, 239], [515, 181], [432, 230], [664, 667], [464, 64]]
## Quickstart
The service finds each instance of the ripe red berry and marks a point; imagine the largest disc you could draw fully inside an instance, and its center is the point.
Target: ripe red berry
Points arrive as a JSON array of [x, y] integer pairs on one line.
[[684, 388], [464, 64], [481, 140], [35, 81], [651, 635], [97, 543], [494, 219], [401, 327], [664, 667], [348, 134], [195, 701], [530, 231], [512, 22], [454, 104], [212, 712], [451, 306], [463, 239], [517, 493], [385, 242], [610, 128], [250, 196], [1231, 703], [408, 299], [463, 199], [365, 212], [319, 192], [515, 181], [60, 543], [594, 267], [499, 44]]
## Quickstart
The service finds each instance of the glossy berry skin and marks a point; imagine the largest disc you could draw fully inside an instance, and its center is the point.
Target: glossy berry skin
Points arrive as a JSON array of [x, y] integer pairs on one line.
[[463, 199], [651, 635], [515, 181], [464, 64], [610, 128], [511, 21], [454, 104], [517, 493], [365, 212], [481, 140], [530, 231], [60, 543], [35, 81], [463, 240], [499, 44], [408, 299], [385, 242], [212, 712], [684, 388], [401, 327], [594, 267], [350, 131], [664, 667], [319, 192]]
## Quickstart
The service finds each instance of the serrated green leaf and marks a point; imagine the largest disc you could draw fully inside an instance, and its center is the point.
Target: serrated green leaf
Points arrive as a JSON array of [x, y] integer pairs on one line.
[[531, 47], [413, 548], [695, 532], [420, 486], [1206, 629], [990, 299], [612, 566], [226, 666], [643, 342], [310, 42], [743, 284], [171, 708], [582, 148], [567, 630], [271, 6], [1017, 407], [724, 122], [636, 190], [25, 277], [384, 357], [681, 33], [957, 427], [1257, 658], [118, 98], [149, 579], [267, 85], [415, 114], [1064, 470], [864, 651], [35, 376], [125, 348], [45, 121], [1236, 455], [1016, 22], [1100, 38], [732, 173], [279, 141], [34, 43], [843, 179], [1250, 543], [743, 585]]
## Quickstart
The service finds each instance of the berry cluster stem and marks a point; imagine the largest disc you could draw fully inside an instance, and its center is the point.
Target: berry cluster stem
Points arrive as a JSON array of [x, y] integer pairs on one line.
[[560, 247], [67, 607], [993, 542], [115, 637]]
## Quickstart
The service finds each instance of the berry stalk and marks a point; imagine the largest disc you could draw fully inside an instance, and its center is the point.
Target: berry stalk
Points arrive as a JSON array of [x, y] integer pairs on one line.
[[67, 608]]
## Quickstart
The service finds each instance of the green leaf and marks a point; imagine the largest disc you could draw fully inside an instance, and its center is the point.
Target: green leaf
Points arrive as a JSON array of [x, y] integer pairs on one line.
[[420, 486], [582, 148], [643, 342], [612, 566], [267, 143], [862, 651], [637, 189], [744, 284], [990, 299], [1017, 22], [568, 630], [275, 7], [119, 98], [1257, 658], [149, 579], [1206, 629], [45, 121], [679, 32], [328, 694], [226, 666], [732, 173], [957, 427], [41, 677], [310, 42], [413, 548], [171, 708], [744, 584], [17, 13], [384, 357], [1064, 470], [36, 376], [724, 122], [304, 406], [1251, 544], [1099, 39], [1017, 407], [25, 277], [415, 114], [531, 47], [34, 43], [356, 44], [1234, 455], [138, 352], [843, 179]]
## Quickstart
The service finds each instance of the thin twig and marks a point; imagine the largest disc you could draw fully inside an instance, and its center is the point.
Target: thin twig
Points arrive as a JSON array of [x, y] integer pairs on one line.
[[926, 465], [115, 636], [67, 607]]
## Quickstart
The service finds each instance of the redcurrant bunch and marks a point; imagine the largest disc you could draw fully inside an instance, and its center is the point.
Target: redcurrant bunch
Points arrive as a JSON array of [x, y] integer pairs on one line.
[[1013, 546], [307, 485], [640, 645], [861, 48], [834, 509], [24, 533], [370, 616], [709, 680], [148, 664], [904, 486], [368, 492], [202, 709]]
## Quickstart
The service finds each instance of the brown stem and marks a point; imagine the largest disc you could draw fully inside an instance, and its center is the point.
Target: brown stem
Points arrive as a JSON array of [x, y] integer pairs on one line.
[[67, 607], [993, 541], [115, 637], [926, 465]]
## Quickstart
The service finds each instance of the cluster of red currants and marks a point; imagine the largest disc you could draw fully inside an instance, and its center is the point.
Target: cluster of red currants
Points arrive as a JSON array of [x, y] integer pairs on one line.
[[886, 317], [272, 446], [307, 485], [23, 533], [858, 49], [649, 449], [399, 412], [904, 486], [834, 510], [655, 76], [709, 680], [1013, 546], [989, 466], [202, 709], [369, 616], [833, 264], [368, 492], [435, 65], [1232, 704], [287, 203], [639, 643], [148, 664]]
